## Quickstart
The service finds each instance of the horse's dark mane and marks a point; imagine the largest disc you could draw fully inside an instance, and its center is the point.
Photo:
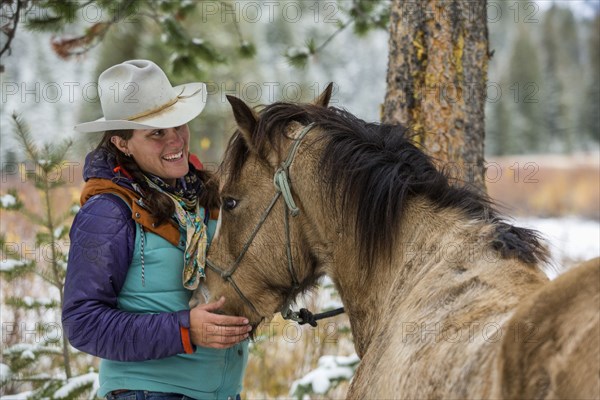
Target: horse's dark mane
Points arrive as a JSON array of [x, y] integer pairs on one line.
[[372, 170]]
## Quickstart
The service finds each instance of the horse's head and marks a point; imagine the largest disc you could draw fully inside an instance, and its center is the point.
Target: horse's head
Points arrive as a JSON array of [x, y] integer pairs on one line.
[[263, 253]]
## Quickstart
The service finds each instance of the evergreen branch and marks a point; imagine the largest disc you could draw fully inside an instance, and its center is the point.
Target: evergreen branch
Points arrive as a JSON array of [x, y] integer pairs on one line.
[[37, 349], [11, 269], [153, 16], [48, 24], [332, 36], [85, 383], [246, 48], [64, 217], [31, 216], [24, 136], [48, 279], [34, 379], [205, 51], [299, 57], [59, 153], [11, 201], [29, 303], [236, 24]]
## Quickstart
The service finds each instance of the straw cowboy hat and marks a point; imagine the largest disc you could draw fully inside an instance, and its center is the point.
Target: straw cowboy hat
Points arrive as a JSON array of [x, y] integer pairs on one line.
[[137, 94]]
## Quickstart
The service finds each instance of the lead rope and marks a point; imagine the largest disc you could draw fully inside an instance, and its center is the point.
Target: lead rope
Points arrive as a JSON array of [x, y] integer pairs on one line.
[[307, 317]]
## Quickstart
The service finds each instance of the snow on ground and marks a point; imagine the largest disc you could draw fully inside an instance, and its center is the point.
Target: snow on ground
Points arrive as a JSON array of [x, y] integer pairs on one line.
[[7, 200]]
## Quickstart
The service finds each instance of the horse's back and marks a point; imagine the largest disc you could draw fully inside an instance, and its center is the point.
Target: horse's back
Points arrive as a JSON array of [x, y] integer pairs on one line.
[[552, 346]]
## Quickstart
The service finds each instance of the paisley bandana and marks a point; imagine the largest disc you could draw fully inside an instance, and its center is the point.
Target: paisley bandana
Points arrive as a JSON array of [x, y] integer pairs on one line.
[[190, 217], [186, 188]]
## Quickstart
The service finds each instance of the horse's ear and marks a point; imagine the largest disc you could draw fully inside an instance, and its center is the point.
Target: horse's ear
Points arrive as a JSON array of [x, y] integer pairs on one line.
[[245, 118], [323, 99]]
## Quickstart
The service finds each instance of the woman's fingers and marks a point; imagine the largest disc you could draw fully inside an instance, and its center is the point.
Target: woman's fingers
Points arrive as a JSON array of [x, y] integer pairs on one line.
[[226, 320], [214, 330], [216, 336], [214, 306], [219, 330], [224, 341]]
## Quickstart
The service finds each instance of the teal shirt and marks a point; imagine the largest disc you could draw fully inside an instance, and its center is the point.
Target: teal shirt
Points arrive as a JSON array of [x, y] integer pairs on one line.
[[207, 373]]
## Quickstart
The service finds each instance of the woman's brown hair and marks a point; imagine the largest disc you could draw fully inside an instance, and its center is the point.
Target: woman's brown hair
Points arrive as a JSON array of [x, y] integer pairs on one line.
[[158, 204]]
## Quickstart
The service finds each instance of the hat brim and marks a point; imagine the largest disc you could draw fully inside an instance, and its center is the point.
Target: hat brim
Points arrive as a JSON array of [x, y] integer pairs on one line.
[[180, 113]]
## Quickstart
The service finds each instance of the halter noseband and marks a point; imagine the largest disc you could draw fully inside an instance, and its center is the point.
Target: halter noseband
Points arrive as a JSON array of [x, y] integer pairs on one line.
[[282, 188]]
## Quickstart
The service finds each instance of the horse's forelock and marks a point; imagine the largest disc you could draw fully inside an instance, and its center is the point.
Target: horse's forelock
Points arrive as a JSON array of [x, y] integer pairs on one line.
[[236, 153]]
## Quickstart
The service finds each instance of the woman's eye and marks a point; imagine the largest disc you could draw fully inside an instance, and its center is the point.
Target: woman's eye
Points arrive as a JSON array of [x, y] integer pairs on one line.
[[229, 203]]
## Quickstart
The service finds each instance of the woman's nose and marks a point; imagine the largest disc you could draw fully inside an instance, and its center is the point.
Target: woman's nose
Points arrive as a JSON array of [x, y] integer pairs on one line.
[[175, 136]]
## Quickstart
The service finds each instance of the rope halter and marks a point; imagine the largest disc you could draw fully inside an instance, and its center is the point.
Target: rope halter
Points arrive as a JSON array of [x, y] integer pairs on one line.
[[282, 188]]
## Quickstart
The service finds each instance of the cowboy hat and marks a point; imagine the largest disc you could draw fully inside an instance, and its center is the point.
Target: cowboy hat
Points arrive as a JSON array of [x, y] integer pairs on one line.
[[137, 94]]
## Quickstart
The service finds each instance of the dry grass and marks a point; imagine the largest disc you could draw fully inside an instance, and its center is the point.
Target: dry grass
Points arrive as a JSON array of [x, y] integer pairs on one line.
[[546, 186]]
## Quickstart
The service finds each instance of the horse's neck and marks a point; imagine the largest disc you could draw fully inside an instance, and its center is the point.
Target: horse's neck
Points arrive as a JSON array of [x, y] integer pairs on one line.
[[437, 252]]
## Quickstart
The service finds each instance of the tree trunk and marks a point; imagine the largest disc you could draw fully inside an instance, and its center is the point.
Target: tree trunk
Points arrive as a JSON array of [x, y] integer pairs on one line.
[[436, 81]]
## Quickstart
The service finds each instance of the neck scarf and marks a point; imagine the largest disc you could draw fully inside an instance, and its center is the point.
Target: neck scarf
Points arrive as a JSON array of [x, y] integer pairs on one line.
[[190, 217]]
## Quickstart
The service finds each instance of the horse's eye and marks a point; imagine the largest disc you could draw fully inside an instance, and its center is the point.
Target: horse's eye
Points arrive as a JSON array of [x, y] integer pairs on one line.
[[229, 203]]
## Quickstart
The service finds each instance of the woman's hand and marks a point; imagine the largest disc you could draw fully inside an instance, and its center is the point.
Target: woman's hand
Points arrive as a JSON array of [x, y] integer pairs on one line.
[[208, 329]]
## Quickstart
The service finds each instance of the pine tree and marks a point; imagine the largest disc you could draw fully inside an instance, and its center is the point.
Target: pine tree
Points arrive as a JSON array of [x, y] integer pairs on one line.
[[570, 70], [524, 92], [589, 117], [40, 363], [498, 130], [498, 133], [554, 107]]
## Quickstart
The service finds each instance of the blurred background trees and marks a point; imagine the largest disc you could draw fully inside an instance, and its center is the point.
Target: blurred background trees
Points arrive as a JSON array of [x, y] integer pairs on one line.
[[543, 96], [542, 91]]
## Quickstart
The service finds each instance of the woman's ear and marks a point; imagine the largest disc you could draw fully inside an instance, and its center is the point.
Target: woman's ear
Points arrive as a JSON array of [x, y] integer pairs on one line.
[[120, 144]]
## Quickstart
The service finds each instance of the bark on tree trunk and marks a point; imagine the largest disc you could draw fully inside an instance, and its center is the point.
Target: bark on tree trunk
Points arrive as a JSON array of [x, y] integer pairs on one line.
[[436, 80]]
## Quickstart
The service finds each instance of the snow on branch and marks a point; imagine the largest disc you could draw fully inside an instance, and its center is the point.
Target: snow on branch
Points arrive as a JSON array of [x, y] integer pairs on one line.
[[330, 371]]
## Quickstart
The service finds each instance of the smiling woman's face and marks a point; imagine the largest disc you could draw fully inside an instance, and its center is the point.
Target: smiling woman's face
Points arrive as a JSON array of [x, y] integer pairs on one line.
[[161, 152]]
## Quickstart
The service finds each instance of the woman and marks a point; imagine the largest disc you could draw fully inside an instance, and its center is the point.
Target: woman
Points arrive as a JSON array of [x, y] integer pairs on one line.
[[138, 246]]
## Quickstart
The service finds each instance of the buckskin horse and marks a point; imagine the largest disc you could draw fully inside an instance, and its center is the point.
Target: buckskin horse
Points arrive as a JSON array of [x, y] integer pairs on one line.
[[445, 298]]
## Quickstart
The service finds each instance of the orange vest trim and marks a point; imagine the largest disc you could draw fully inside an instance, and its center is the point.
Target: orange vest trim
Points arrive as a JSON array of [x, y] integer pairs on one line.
[[168, 231]]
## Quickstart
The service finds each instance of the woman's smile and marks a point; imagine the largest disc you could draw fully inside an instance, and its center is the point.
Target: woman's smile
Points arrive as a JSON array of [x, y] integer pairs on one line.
[[173, 157], [161, 152]]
